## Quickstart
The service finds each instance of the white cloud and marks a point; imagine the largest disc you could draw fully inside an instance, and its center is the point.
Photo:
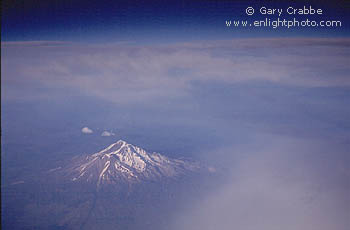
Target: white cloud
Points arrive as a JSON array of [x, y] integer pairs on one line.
[[284, 185], [107, 134], [125, 74], [86, 130]]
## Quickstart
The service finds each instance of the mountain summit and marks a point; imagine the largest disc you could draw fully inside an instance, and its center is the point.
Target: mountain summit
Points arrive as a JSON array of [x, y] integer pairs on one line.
[[123, 162]]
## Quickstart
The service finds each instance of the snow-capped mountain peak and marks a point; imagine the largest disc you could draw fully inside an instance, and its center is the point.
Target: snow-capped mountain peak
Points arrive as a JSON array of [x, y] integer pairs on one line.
[[123, 162]]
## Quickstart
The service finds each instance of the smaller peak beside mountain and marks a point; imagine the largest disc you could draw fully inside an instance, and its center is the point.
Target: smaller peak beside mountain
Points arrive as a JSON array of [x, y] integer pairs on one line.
[[122, 162]]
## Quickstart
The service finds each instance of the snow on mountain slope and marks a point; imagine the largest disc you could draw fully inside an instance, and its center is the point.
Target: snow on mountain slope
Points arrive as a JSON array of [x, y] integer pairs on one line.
[[123, 162]]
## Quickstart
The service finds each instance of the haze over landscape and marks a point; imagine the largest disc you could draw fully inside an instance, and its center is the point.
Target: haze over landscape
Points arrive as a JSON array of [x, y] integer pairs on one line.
[[153, 115]]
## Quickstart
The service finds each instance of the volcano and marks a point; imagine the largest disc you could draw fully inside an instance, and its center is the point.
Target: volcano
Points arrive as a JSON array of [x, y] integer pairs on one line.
[[122, 162]]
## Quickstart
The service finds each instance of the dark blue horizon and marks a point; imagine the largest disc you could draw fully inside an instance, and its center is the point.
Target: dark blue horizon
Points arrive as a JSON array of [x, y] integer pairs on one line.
[[156, 21]]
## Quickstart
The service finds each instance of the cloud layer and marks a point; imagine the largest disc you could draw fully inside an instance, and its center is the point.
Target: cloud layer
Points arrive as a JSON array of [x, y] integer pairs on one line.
[[124, 74], [287, 184]]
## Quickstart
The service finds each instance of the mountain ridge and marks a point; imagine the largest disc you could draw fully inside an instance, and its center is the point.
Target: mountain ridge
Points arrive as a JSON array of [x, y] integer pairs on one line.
[[122, 162]]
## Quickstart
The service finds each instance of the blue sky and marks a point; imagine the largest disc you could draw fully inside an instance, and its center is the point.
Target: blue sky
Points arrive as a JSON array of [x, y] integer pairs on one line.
[[153, 21]]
